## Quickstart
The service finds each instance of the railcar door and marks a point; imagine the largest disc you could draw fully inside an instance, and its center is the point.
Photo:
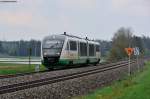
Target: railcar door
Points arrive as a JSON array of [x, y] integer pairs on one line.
[[73, 52]]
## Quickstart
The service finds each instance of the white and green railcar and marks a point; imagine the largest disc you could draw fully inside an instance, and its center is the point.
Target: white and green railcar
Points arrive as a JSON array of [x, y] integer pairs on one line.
[[64, 50]]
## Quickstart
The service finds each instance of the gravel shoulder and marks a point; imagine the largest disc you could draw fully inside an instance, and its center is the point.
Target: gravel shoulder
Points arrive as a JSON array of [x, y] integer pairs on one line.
[[37, 76]]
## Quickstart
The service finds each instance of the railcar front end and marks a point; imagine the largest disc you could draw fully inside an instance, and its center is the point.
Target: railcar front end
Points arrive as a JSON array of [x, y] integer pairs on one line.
[[51, 50]]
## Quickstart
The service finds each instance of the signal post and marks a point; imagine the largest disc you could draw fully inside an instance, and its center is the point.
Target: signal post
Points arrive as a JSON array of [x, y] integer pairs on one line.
[[129, 51]]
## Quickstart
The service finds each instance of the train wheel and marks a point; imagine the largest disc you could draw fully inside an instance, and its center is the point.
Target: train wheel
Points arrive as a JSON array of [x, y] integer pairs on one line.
[[70, 62], [50, 68], [98, 61], [95, 64], [87, 61]]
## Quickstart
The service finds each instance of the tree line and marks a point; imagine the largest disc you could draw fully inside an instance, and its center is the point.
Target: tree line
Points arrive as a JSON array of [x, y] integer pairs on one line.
[[124, 38], [20, 48], [113, 50]]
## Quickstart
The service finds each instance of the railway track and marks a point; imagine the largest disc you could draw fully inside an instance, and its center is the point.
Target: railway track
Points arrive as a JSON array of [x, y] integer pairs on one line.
[[20, 74], [30, 73], [40, 82]]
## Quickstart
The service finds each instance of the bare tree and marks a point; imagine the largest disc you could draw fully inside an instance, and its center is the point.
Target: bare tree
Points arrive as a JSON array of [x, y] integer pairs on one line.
[[121, 40]]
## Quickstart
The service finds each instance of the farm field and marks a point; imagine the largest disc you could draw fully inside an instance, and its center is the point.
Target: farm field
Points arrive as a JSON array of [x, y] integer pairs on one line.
[[135, 87], [8, 68], [14, 65], [20, 60]]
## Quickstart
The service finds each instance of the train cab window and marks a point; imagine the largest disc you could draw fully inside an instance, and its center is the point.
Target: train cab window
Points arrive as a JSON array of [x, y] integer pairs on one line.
[[83, 49], [73, 45], [97, 48], [91, 50]]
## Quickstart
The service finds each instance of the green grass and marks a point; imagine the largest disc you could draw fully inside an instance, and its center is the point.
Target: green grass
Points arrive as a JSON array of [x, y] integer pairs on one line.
[[19, 57], [6, 68], [134, 87]]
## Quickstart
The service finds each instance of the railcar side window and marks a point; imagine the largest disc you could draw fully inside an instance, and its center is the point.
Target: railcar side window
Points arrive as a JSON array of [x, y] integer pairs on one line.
[[91, 50], [83, 49], [73, 45], [97, 48]]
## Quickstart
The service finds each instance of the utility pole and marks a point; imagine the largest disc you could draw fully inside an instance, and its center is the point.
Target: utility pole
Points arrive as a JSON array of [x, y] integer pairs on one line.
[[35, 49], [30, 52]]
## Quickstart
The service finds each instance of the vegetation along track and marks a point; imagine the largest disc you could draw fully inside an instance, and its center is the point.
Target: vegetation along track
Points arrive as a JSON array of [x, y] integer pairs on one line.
[[36, 83]]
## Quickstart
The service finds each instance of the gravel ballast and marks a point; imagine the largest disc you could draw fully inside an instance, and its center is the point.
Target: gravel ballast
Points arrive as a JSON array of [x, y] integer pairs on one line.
[[73, 87], [36, 76]]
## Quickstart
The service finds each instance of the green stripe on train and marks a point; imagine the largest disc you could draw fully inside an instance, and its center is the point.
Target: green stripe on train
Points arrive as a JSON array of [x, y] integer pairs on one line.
[[64, 62]]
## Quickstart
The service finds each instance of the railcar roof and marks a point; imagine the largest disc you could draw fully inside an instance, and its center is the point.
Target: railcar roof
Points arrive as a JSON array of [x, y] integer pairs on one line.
[[80, 39], [54, 36], [71, 37]]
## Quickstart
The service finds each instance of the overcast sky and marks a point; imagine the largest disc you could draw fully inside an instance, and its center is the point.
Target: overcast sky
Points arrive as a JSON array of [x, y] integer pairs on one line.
[[97, 19]]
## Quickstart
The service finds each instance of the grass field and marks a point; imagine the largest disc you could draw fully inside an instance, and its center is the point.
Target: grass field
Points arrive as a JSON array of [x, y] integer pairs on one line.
[[135, 87], [6, 68]]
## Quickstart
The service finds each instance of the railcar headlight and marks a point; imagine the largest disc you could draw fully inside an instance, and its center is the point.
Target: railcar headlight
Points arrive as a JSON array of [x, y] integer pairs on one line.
[[58, 53], [45, 53]]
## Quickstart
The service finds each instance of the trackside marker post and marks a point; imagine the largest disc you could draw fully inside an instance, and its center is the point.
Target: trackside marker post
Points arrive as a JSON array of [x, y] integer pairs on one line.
[[137, 53], [129, 51], [37, 68]]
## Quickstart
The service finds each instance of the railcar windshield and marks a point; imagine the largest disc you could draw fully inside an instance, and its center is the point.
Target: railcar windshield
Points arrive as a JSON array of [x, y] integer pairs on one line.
[[52, 46]]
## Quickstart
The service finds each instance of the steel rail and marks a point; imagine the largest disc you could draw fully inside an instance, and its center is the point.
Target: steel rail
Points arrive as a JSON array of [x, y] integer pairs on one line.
[[21, 74], [30, 73], [36, 83]]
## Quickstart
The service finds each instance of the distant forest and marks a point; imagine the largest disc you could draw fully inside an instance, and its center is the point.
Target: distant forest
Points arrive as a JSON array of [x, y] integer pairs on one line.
[[21, 48]]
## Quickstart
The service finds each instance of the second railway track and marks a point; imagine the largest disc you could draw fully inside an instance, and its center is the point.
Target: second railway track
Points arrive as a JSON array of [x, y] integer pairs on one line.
[[30, 73], [30, 84], [44, 71]]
